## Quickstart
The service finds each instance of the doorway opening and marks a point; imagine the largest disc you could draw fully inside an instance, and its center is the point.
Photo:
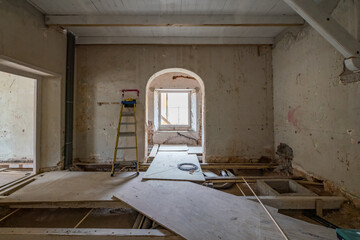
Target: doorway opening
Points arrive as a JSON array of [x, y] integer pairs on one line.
[[175, 106], [17, 125]]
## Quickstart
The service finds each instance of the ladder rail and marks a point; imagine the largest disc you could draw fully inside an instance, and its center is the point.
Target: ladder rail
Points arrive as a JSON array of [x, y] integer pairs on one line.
[[119, 133], [137, 156], [117, 141]]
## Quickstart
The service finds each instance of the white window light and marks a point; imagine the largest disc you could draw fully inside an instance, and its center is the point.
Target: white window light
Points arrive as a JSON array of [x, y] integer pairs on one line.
[[174, 109]]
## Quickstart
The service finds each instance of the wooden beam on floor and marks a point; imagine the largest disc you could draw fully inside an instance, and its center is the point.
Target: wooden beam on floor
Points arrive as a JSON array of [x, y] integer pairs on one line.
[[13, 183], [221, 179], [300, 202], [204, 166], [84, 234], [80, 204], [16, 187], [241, 166]]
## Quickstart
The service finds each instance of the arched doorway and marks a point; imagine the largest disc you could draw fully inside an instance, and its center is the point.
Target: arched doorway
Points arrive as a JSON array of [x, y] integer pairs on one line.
[[174, 109]]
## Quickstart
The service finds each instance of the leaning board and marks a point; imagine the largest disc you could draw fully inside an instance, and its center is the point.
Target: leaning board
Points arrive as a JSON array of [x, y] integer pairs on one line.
[[164, 167], [197, 212]]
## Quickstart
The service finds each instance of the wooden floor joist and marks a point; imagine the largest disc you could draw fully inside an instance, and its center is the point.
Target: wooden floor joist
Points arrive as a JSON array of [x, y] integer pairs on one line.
[[300, 202], [204, 166], [242, 166], [85, 234]]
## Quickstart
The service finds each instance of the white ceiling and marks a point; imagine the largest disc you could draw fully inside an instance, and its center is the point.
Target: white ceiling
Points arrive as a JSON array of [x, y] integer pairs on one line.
[[154, 7], [175, 20]]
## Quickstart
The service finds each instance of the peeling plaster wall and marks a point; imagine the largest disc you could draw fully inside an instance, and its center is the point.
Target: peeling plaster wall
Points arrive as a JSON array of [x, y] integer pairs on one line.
[[167, 81], [23, 37], [314, 113], [238, 99], [17, 117]]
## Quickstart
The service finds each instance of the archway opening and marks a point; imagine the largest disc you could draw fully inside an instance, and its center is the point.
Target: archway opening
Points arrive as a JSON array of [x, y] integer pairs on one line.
[[174, 115]]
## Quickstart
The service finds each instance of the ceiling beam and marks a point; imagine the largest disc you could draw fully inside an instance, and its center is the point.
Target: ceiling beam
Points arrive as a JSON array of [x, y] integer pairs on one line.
[[328, 6], [174, 40], [171, 20], [330, 29]]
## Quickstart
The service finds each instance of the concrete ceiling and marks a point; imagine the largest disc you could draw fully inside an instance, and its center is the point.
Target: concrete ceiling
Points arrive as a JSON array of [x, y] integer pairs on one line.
[[170, 21]]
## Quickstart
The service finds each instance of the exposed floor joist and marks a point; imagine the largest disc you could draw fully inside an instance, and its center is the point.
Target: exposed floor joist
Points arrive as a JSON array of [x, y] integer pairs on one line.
[[299, 202], [84, 234]]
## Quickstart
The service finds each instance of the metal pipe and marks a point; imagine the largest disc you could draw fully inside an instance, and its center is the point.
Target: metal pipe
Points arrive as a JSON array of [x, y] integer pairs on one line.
[[69, 99]]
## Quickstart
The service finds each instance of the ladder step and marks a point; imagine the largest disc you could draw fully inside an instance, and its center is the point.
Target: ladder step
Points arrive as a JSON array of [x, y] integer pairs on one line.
[[125, 163], [126, 134], [127, 114], [126, 148], [127, 123]]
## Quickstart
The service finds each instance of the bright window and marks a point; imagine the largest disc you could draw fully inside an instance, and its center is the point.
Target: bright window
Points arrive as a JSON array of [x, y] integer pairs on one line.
[[174, 108]]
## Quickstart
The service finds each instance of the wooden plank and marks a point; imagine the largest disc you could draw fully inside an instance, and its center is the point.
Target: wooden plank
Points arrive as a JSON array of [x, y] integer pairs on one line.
[[84, 40], [63, 204], [300, 202], [154, 151], [165, 167], [197, 212], [12, 177], [221, 179], [195, 150], [84, 234], [172, 147], [173, 20], [16, 187], [319, 206], [244, 166]]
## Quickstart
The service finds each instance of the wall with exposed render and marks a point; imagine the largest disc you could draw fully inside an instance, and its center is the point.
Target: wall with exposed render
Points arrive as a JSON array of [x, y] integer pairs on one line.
[[25, 38], [17, 99], [238, 96], [316, 114]]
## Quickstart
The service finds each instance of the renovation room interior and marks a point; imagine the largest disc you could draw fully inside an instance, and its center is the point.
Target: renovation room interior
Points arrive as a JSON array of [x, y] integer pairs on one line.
[[179, 119]]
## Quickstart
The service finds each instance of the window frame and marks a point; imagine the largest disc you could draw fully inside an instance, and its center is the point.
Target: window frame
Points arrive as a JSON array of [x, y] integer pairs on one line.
[[174, 127]]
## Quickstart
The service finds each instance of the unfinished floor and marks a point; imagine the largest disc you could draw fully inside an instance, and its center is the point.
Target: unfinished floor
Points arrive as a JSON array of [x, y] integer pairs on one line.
[[93, 204]]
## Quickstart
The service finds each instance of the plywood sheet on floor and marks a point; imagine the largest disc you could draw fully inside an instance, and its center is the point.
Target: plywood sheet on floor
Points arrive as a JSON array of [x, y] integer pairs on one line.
[[197, 212], [64, 186], [173, 148], [165, 167], [10, 176], [192, 203]]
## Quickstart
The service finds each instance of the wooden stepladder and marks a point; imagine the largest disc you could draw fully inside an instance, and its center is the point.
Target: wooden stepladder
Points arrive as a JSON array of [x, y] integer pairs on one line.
[[128, 109]]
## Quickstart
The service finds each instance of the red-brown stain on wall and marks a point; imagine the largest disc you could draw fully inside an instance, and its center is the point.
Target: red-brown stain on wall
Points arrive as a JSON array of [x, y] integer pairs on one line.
[[292, 118]]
